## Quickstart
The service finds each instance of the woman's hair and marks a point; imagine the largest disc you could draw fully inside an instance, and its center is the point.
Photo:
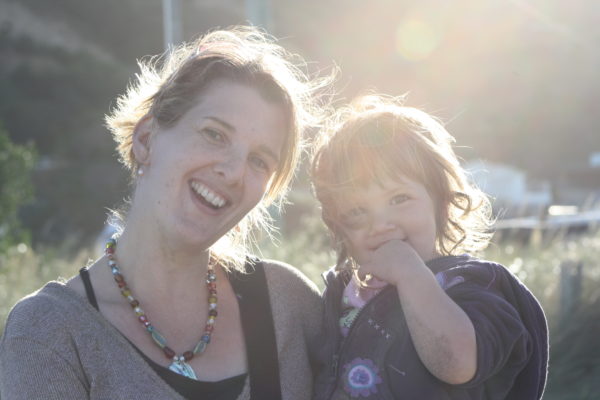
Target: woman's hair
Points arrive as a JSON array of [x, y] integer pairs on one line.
[[170, 85], [377, 138]]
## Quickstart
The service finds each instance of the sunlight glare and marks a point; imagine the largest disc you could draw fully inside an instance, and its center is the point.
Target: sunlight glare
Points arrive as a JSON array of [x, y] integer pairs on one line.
[[416, 39]]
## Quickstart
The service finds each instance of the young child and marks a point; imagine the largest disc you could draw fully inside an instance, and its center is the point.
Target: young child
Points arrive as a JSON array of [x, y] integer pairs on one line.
[[409, 314]]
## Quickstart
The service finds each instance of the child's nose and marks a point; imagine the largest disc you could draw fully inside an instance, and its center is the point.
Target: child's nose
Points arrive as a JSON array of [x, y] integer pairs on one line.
[[382, 224]]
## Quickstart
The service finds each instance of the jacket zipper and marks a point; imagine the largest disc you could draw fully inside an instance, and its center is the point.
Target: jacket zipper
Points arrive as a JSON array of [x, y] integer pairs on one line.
[[336, 356]]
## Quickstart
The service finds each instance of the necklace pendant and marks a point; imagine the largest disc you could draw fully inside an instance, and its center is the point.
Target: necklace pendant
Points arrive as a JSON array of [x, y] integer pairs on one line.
[[183, 368]]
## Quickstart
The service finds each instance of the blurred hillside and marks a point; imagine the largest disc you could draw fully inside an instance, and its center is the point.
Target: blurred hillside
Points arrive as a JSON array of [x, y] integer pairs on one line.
[[514, 80]]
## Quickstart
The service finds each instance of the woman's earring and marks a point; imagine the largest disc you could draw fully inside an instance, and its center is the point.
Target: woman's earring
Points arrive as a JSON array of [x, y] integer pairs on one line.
[[140, 171]]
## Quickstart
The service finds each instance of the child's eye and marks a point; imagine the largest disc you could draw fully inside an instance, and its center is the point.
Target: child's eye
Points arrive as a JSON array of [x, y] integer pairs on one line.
[[213, 135], [355, 212], [354, 218], [398, 199]]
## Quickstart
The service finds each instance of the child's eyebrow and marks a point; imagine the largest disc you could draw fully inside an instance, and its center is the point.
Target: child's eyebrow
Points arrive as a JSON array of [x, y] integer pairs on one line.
[[396, 186]]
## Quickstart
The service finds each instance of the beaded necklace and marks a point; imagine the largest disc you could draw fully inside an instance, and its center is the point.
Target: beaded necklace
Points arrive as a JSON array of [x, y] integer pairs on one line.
[[179, 364]]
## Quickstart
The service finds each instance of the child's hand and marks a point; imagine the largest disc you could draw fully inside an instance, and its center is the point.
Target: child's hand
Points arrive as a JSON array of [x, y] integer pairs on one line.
[[392, 261]]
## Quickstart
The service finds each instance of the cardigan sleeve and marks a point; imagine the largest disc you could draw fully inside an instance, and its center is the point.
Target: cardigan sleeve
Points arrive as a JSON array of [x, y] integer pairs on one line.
[[296, 306], [32, 370], [503, 342], [38, 358]]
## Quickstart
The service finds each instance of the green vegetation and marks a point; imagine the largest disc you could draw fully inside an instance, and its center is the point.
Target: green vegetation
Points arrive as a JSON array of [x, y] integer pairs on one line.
[[24, 270], [56, 99], [16, 165]]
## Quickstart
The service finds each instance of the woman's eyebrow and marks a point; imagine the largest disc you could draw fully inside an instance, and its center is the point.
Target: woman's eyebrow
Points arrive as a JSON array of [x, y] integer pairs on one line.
[[219, 121]]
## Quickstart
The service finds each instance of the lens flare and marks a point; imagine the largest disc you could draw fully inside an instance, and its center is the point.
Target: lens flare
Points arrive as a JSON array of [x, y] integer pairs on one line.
[[416, 39]]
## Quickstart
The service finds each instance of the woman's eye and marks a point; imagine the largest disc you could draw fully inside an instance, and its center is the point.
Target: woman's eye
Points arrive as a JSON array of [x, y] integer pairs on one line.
[[214, 135], [398, 199], [260, 164]]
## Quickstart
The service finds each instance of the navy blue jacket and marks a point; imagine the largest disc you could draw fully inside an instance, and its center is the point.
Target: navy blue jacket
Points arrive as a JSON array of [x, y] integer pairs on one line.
[[377, 360]]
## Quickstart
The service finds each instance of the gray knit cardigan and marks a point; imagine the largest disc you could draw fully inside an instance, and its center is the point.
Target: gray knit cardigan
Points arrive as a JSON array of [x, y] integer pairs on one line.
[[56, 346]]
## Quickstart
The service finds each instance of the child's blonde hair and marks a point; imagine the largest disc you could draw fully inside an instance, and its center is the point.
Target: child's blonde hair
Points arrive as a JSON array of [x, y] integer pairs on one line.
[[377, 138]]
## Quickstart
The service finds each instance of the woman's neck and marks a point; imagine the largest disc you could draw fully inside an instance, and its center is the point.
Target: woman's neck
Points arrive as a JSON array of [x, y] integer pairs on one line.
[[160, 267]]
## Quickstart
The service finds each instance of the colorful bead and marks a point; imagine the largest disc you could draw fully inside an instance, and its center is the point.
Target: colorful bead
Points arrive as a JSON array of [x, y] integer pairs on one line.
[[200, 347], [159, 339], [168, 352]]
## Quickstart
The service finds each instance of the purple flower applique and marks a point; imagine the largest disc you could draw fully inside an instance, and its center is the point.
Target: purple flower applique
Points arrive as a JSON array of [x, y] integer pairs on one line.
[[361, 377]]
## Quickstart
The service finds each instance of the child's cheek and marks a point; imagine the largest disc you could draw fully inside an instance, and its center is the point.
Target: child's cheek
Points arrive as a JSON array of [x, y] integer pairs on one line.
[[357, 240]]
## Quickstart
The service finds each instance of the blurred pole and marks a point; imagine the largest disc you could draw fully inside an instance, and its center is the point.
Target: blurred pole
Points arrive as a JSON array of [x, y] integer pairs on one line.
[[258, 12], [173, 31]]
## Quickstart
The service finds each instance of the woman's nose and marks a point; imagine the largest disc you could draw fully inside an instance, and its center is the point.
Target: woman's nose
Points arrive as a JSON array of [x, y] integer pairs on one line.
[[231, 168]]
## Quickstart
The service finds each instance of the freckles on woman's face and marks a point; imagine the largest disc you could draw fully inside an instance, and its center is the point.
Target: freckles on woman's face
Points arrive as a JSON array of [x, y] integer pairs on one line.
[[214, 165]]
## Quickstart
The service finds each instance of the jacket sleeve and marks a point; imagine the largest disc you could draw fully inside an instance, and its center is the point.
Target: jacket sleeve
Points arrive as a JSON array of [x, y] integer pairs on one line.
[[503, 342], [32, 370]]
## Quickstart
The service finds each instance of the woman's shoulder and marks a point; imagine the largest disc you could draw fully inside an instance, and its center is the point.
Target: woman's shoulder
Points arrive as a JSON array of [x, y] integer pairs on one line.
[[295, 300], [288, 277], [43, 311]]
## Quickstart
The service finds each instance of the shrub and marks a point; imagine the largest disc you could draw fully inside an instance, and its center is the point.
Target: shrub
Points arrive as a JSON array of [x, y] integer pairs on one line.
[[16, 165]]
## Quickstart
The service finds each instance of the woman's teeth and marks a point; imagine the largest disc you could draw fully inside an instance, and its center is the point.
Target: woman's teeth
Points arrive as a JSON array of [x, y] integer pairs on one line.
[[211, 197]]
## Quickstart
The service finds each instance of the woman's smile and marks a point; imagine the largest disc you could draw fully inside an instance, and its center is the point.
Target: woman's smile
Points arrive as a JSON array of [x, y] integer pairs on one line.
[[212, 167], [207, 196]]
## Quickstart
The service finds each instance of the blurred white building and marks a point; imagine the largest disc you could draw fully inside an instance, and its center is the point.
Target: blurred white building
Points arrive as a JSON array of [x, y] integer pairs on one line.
[[509, 188]]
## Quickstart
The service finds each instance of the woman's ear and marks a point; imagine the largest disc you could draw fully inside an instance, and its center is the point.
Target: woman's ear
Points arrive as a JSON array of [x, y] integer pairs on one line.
[[142, 134]]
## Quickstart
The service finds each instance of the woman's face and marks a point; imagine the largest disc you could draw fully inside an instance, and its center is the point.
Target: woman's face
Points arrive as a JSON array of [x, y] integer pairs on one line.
[[206, 172]]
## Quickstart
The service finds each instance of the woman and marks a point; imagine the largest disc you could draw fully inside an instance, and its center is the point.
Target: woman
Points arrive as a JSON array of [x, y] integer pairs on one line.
[[176, 309]]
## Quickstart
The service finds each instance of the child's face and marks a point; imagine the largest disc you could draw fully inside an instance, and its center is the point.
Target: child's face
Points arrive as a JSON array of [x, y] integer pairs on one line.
[[396, 209]]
